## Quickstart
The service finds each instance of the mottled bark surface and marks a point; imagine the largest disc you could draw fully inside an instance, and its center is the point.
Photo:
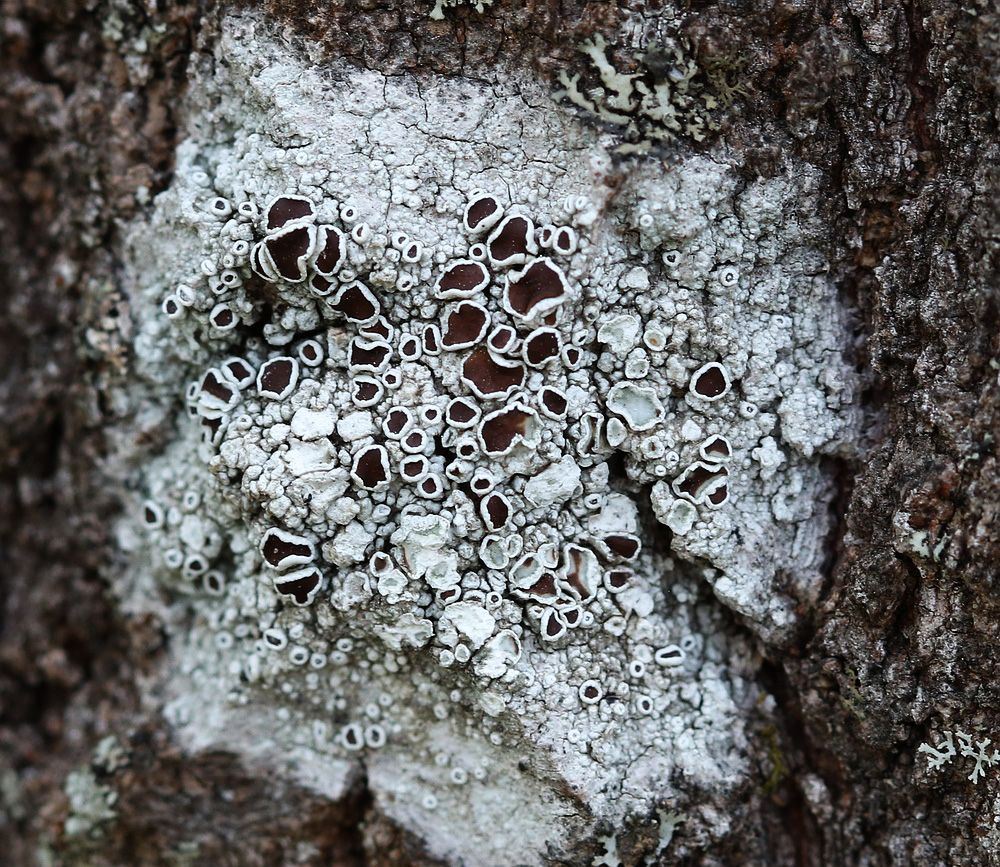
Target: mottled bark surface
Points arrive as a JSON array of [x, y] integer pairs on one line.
[[895, 101]]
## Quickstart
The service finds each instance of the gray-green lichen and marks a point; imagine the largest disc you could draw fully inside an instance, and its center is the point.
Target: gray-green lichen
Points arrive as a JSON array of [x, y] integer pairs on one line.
[[91, 805], [467, 428], [667, 97], [968, 746]]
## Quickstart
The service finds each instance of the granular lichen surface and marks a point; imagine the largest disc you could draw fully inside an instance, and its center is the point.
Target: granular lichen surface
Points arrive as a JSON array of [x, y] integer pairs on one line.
[[473, 429]]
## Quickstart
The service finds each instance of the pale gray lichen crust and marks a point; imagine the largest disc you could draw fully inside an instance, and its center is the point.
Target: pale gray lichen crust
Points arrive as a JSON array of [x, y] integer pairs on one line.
[[488, 583]]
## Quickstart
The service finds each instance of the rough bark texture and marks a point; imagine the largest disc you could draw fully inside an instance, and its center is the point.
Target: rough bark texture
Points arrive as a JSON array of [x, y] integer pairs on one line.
[[896, 101]]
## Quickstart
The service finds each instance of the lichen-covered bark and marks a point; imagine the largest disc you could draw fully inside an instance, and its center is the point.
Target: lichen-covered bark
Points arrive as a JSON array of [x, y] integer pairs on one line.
[[901, 652], [894, 102]]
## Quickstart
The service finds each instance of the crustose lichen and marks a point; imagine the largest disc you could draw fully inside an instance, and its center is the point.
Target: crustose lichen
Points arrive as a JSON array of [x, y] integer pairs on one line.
[[429, 381]]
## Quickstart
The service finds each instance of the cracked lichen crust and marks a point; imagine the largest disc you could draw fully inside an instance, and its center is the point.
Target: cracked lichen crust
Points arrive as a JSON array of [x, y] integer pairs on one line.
[[463, 416]]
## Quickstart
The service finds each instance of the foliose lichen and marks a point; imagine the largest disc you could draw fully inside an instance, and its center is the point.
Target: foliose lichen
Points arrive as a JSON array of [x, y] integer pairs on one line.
[[437, 13], [968, 747], [465, 423], [668, 96]]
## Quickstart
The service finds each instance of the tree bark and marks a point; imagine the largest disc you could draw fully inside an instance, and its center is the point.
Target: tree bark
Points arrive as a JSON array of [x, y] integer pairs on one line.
[[895, 103]]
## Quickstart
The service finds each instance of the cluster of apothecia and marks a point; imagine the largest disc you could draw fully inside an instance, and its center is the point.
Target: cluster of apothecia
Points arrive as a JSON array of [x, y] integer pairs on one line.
[[440, 450]]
